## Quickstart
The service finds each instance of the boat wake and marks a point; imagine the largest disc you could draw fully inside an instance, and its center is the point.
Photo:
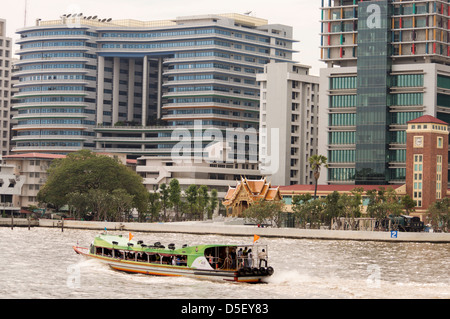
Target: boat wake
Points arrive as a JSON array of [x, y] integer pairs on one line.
[[287, 277]]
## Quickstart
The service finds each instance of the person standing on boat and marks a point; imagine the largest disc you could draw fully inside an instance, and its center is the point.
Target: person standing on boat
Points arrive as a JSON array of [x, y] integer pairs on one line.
[[249, 258], [262, 258], [240, 258]]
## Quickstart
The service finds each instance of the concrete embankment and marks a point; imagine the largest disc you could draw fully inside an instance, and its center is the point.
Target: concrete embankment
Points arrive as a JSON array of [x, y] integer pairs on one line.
[[222, 228]]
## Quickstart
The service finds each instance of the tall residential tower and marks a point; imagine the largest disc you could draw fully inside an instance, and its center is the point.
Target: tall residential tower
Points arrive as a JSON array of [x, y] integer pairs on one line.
[[387, 63]]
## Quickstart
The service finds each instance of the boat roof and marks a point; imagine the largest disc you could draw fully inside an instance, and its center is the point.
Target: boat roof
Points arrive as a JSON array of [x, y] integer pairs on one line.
[[105, 240]]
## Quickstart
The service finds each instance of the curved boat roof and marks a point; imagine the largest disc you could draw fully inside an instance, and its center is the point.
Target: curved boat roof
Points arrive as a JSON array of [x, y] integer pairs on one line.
[[122, 242]]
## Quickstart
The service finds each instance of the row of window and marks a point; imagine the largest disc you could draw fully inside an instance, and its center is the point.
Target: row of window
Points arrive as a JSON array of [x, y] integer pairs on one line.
[[49, 144], [52, 88], [72, 31], [50, 77], [211, 99], [45, 44], [55, 121], [49, 55], [398, 80], [51, 99], [211, 111], [180, 44], [57, 66], [342, 119], [55, 132], [348, 156]]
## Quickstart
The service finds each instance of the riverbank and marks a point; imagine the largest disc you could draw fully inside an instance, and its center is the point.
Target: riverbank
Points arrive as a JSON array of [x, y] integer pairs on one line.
[[236, 228]]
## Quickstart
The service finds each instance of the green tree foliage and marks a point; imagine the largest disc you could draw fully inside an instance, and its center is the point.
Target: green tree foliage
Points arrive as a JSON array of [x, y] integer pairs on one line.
[[175, 196], [97, 176], [383, 203], [265, 212], [213, 202], [316, 162], [192, 200], [439, 214], [164, 194], [154, 206]]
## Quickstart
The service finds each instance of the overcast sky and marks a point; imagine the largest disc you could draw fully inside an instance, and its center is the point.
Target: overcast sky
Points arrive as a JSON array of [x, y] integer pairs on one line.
[[302, 15]]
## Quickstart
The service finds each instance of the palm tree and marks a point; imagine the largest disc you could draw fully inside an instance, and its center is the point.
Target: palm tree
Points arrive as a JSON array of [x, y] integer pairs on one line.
[[316, 162]]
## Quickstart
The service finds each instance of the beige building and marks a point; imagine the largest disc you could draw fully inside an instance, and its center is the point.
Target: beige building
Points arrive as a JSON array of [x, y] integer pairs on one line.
[[30, 173], [288, 122], [5, 88]]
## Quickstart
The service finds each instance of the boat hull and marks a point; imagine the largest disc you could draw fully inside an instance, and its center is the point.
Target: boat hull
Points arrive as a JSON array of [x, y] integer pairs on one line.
[[172, 270]]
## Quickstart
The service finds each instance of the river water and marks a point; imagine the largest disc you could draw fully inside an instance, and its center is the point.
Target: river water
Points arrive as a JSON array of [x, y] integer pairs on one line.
[[40, 263]]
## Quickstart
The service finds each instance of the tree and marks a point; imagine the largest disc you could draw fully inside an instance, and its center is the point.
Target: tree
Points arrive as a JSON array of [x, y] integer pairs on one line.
[[316, 162], [192, 199], [79, 204], [213, 202], [175, 196], [333, 207], [100, 202], [408, 204], [300, 213], [383, 204], [154, 206], [122, 203], [264, 212], [165, 200], [203, 200], [439, 214], [84, 171]]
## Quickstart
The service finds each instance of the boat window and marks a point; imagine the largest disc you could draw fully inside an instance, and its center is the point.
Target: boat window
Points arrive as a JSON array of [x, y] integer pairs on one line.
[[221, 257]]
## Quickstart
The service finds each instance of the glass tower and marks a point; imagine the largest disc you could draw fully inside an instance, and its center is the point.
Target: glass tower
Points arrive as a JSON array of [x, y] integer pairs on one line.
[[372, 109]]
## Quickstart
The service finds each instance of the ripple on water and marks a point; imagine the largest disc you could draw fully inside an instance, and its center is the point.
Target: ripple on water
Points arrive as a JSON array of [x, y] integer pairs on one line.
[[40, 263]]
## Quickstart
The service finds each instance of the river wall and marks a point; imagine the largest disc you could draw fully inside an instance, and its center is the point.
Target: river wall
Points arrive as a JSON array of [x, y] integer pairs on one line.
[[224, 228]]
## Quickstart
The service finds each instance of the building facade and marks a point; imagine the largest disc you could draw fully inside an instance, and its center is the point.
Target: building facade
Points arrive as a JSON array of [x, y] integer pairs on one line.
[[5, 88], [427, 161], [80, 73], [288, 122], [387, 63]]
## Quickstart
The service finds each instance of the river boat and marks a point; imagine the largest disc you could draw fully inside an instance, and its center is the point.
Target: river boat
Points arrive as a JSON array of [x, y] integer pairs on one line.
[[235, 263]]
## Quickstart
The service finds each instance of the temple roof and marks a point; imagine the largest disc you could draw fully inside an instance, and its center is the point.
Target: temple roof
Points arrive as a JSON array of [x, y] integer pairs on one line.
[[255, 190]]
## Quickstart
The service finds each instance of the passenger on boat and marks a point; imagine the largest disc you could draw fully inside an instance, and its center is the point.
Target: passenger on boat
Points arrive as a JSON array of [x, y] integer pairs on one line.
[[249, 258], [240, 256], [262, 258], [233, 258]]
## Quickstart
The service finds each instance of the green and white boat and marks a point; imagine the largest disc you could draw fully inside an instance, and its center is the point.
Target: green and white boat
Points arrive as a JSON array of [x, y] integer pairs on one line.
[[239, 263]]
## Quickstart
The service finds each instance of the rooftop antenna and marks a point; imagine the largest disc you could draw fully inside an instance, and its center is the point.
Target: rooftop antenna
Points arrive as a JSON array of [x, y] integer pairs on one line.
[[25, 15]]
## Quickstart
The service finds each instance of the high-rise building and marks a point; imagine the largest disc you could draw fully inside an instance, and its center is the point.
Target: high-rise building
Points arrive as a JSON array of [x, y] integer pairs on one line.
[[99, 84], [5, 88], [387, 63], [288, 122]]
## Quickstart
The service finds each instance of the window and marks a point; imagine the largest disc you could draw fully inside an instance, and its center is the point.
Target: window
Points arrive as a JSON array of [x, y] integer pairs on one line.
[[440, 142], [418, 174], [439, 177]]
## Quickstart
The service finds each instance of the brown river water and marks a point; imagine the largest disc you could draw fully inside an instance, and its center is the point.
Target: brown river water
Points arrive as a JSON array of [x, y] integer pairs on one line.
[[40, 263]]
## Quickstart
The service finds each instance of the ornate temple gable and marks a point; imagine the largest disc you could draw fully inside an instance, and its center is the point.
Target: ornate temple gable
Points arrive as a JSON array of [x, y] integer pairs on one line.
[[246, 192]]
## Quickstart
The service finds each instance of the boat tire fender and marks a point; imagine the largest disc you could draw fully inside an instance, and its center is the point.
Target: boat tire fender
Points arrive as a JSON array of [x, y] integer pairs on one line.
[[270, 271]]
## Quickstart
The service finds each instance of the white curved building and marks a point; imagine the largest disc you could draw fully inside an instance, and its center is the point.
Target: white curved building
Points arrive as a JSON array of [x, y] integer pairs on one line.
[[80, 73]]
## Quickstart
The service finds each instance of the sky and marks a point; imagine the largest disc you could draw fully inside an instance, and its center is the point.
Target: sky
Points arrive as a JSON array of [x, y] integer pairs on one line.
[[302, 15]]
